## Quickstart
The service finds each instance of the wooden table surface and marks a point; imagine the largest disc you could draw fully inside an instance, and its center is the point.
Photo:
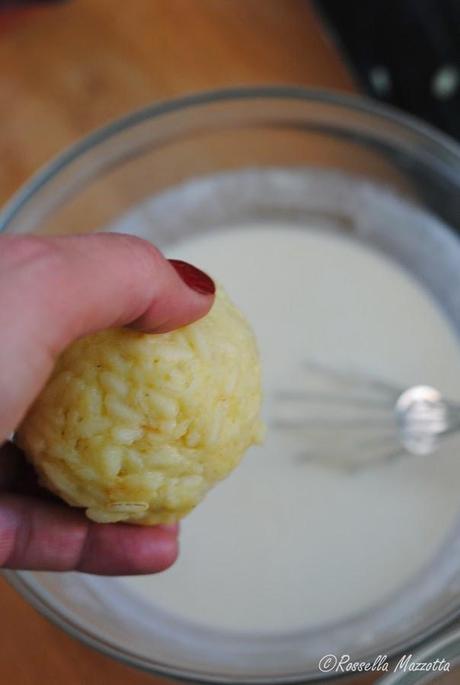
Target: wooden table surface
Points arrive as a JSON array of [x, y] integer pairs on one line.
[[69, 68]]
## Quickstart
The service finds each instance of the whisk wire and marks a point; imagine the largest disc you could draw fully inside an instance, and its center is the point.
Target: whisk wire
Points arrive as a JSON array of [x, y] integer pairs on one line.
[[348, 405]]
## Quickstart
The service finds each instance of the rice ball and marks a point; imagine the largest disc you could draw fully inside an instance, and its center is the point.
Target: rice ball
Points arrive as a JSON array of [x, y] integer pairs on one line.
[[137, 427]]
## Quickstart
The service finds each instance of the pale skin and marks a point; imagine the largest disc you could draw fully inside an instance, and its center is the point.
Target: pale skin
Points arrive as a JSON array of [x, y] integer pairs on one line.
[[53, 291]]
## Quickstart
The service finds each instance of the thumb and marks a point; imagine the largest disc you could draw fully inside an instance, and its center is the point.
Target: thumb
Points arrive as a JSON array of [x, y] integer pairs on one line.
[[54, 290]]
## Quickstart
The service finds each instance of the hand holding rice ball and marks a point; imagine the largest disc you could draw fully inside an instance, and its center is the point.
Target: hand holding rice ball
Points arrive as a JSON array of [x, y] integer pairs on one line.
[[132, 387], [137, 427]]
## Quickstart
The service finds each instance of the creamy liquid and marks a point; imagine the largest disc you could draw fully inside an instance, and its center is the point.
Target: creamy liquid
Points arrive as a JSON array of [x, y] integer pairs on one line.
[[283, 543]]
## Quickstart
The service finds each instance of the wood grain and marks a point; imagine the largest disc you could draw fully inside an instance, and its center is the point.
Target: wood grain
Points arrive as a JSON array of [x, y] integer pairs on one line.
[[70, 68]]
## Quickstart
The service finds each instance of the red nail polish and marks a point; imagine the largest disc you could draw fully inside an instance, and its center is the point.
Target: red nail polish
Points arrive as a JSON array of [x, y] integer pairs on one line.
[[195, 279]]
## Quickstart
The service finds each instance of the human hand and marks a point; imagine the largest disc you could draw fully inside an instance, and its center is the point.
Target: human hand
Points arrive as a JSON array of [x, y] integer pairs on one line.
[[53, 291]]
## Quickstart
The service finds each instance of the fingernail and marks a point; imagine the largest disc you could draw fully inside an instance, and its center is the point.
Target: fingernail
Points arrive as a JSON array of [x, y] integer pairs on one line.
[[195, 279]]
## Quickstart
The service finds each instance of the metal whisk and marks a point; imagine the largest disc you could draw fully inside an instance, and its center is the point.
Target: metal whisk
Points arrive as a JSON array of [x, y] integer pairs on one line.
[[352, 420]]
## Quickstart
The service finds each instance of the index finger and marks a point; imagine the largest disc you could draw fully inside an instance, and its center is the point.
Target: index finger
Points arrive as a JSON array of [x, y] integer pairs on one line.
[[47, 536]]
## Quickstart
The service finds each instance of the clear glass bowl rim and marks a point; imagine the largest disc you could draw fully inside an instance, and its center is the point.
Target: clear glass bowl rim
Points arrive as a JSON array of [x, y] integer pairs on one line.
[[445, 145]]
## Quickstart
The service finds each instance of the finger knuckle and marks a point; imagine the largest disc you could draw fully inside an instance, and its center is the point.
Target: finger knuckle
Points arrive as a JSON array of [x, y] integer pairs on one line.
[[146, 252], [22, 250]]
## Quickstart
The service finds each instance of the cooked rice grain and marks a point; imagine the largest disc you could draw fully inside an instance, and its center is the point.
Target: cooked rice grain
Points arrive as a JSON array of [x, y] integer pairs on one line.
[[137, 427]]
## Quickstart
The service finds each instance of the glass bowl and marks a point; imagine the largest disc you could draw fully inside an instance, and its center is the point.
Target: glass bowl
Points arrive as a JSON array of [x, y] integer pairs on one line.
[[259, 155], [433, 659]]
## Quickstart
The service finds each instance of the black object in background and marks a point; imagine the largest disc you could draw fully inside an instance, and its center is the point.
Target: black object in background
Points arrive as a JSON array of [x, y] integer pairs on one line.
[[403, 52]]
